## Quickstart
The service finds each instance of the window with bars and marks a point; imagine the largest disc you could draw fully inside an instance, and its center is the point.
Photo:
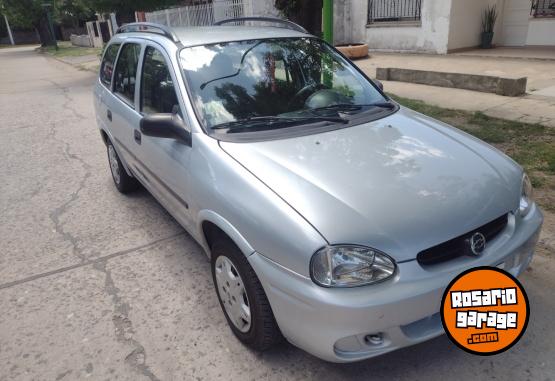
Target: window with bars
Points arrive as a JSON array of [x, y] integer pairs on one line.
[[543, 8], [394, 10]]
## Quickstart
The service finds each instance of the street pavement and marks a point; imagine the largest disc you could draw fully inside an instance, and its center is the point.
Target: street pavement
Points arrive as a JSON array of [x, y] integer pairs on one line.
[[100, 286]]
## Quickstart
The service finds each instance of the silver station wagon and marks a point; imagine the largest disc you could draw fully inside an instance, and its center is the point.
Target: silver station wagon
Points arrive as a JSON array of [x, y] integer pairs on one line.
[[333, 217]]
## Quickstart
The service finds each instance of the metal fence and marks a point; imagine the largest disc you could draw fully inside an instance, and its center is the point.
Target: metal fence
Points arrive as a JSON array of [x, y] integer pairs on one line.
[[543, 8], [199, 15], [394, 10]]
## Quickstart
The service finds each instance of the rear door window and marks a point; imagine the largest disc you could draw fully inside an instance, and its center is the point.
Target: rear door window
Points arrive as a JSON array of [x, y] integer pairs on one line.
[[107, 66], [126, 71], [157, 88]]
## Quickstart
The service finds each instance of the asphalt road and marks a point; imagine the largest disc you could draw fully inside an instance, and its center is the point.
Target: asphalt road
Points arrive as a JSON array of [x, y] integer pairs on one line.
[[95, 285]]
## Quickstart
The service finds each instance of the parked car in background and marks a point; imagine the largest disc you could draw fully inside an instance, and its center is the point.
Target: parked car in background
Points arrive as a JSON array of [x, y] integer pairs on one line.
[[331, 215]]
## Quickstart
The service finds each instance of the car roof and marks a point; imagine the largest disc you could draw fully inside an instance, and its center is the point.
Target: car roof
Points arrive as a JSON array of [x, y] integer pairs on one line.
[[203, 35], [214, 34]]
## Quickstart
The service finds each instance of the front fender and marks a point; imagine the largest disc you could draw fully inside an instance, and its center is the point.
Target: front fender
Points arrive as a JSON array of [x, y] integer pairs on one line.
[[252, 214], [206, 215]]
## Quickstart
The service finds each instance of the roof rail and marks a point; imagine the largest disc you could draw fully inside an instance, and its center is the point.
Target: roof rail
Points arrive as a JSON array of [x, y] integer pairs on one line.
[[148, 27], [286, 23]]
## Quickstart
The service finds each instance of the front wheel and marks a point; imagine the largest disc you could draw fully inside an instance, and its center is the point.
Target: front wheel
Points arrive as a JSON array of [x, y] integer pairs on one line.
[[242, 298]]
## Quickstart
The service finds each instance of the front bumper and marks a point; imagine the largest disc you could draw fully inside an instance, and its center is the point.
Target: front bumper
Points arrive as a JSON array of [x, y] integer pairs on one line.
[[332, 324]]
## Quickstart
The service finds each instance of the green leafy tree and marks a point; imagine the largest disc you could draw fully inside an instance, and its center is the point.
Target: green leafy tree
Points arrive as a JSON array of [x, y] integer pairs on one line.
[[31, 13], [28, 14], [70, 12], [129, 5], [22, 13]]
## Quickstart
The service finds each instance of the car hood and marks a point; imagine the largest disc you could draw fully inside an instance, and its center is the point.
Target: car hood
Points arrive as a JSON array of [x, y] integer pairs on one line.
[[399, 184]]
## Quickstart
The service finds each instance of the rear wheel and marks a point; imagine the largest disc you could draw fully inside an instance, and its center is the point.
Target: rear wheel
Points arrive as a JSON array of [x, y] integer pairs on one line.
[[242, 297], [124, 183]]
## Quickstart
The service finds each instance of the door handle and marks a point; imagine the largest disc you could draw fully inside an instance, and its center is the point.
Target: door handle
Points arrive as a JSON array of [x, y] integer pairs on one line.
[[137, 136], [109, 115]]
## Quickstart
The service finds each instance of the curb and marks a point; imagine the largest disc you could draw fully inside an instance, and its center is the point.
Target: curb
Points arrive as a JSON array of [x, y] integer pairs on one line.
[[79, 66]]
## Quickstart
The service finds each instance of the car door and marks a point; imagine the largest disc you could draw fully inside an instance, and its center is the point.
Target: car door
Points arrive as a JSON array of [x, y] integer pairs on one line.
[[103, 88], [122, 116], [167, 159]]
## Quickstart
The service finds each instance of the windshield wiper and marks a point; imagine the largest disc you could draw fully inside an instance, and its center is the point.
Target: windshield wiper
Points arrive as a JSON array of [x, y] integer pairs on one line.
[[346, 107], [388, 105], [338, 107], [336, 119], [267, 122]]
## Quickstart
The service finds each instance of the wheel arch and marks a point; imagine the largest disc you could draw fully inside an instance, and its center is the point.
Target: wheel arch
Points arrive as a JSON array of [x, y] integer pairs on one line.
[[212, 226], [106, 137]]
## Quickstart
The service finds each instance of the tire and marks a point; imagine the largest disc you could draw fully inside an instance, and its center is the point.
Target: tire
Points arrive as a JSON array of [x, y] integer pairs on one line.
[[263, 332], [123, 182]]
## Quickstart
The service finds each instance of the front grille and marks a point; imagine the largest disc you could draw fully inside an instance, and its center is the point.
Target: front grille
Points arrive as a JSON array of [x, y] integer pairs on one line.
[[457, 247]]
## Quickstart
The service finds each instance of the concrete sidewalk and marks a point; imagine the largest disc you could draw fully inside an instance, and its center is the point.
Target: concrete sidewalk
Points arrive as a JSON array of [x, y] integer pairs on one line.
[[525, 52], [90, 62], [538, 106]]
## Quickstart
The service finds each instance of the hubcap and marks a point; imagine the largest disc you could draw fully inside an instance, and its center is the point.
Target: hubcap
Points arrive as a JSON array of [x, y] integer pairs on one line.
[[114, 166], [232, 293]]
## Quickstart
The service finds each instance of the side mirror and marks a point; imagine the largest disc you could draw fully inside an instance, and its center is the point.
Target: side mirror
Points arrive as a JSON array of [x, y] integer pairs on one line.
[[379, 84], [168, 126]]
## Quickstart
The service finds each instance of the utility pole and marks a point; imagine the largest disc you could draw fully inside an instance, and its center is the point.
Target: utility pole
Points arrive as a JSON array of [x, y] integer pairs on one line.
[[327, 16], [9, 29]]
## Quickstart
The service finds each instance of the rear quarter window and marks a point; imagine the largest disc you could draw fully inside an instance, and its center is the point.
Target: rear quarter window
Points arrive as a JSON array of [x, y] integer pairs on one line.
[[107, 65]]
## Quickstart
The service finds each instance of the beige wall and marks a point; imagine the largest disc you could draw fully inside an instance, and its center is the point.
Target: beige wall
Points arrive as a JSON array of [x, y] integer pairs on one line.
[[466, 22]]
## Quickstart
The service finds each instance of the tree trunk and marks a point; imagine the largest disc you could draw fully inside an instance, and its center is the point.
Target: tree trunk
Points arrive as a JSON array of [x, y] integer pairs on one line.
[[311, 13], [44, 32], [307, 13], [125, 17]]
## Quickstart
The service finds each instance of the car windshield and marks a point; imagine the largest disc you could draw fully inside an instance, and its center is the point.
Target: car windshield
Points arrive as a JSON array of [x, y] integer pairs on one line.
[[273, 83]]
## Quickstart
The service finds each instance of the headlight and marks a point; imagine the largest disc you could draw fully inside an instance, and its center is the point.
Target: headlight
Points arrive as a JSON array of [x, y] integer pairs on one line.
[[349, 266], [526, 199]]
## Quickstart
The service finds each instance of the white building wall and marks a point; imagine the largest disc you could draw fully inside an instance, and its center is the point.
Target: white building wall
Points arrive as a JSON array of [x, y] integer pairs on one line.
[[342, 23], [445, 25], [430, 36], [541, 32], [359, 16], [264, 8], [514, 27], [515, 20]]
